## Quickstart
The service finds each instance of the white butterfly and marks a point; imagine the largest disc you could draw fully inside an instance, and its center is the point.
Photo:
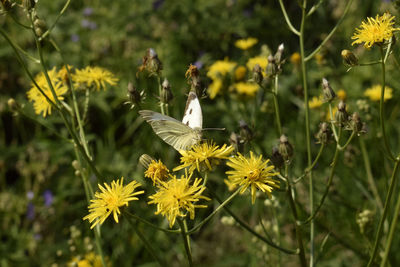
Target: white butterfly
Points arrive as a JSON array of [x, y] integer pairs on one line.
[[180, 135]]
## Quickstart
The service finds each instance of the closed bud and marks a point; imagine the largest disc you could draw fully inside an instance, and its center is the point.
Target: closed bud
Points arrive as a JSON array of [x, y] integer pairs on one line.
[[39, 26], [271, 67], [285, 148], [327, 91], [75, 165], [365, 221], [166, 93], [12, 105], [145, 160], [276, 158], [341, 116], [324, 134], [133, 94], [236, 142], [28, 4], [349, 58], [355, 124], [278, 54], [245, 132], [154, 65], [257, 74]]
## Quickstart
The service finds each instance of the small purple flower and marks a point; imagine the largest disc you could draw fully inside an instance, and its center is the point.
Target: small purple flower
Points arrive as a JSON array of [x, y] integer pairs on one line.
[[37, 236], [85, 23], [88, 11], [157, 4], [92, 25], [30, 195], [75, 38], [30, 213], [199, 64], [48, 198]]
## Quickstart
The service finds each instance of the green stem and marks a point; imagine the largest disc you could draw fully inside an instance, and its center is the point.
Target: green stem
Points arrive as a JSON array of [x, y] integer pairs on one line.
[[384, 213], [137, 218], [186, 240], [370, 177], [145, 242], [276, 105], [308, 169], [55, 22], [382, 107], [333, 123], [341, 148], [248, 228], [293, 29]]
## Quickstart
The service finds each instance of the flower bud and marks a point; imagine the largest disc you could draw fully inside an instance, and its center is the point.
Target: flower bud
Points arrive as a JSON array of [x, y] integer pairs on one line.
[[327, 91], [324, 134], [75, 165], [349, 58], [166, 93], [193, 75], [365, 220], [341, 115], [271, 67], [276, 158], [28, 4], [154, 64], [285, 148], [236, 142], [12, 105], [245, 132], [39, 26], [145, 160], [355, 124], [278, 54], [133, 94], [257, 74]]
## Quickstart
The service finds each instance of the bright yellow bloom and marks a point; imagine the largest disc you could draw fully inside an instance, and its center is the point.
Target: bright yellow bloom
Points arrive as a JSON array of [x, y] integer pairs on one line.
[[94, 76], [203, 156], [261, 61], [341, 94], [245, 44], [90, 260], [110, 199], [374, 93], [220, 68], [375, 30], [177, 197], [215, 87], [40, 103], [157, 172], [247, 89], [240, 73], [295, 58], [252, 172], [315, 102]]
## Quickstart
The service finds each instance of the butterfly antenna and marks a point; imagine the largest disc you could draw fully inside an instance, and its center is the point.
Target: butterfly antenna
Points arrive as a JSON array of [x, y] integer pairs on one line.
[[214, 129]]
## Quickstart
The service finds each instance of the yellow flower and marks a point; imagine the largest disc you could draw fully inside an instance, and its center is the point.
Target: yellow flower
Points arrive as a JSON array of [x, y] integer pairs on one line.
[[203, 156], [374, 93], [341, 94], [315, 102], [214, 88], [319, 58], [245, 44], [240, 73], [94, 76], [251, 172], [328, 114], [375, 30], [90, 260], [157, 172], [110, 199], [261, 61], [40, 103], [295, 58], [248, 89], [220, 68], [177, 197]]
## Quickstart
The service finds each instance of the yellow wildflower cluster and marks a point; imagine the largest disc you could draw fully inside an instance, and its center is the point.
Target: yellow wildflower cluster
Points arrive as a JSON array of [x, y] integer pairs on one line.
[[217, 73], [246, 89], [315, 102], [245, 44], [374, 93]]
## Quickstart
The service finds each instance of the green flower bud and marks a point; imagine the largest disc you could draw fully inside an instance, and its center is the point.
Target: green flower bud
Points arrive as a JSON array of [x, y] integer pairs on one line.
[[271, 67], [324, 134], [236, 141], [257, 74], [39, 26], [12, 105], [276, 158], [327, 91], [341, 115], [285, 148], [166, 93], [349, 58]]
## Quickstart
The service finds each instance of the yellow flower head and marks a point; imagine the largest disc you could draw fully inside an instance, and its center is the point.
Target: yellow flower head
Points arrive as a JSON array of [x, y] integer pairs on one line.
[[261, 61], [157, 172], [220, 68], [203, 156], [110, 199], [240, 73], [177, 197], [374, 93], [94, 76], [295, 58], [245, 44], [375, 30], [315, 102], [215, 87], [40, 102], [251, 172], [247, 89], [341, 94]]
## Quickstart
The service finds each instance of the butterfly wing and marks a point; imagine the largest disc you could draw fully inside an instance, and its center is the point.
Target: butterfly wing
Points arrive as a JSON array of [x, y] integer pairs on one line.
[[172, 131], [193, 116]]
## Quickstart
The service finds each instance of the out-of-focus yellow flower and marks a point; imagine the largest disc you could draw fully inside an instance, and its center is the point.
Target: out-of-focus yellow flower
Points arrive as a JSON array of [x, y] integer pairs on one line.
[[328, 114], [295, 58], [214, 88], [315, 102], [261, 61], [375, 30], [240, 73], [319, 58], [341, 94], [374, 93], [94, 76], [245, 44], [247, 89], [40, 103], [220, 68]]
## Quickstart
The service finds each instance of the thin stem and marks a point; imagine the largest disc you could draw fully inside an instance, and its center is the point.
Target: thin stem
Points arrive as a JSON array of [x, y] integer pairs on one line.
[[150, 224], [145, 242], [308, 169], [370, 177], [341, 148], [276, 105], [384, 213], [293, 29], [382, 107], [55, 22], [332, 31], [332, 123], [17, 21], [186, 240]]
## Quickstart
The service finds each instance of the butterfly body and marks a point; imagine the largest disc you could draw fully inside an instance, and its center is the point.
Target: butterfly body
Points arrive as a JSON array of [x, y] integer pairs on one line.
[[180, 135]]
